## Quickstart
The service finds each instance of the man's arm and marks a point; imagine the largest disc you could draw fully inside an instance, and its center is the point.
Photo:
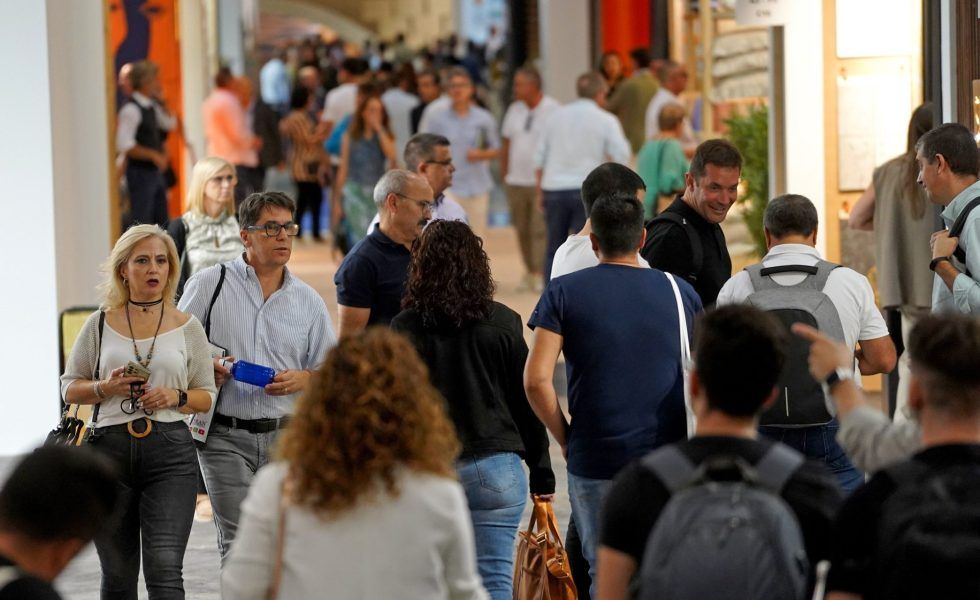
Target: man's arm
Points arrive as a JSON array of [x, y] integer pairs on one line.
[[539, 385], [965, 289], [614, 573], [352, 319], [869, 437], [876, 355]]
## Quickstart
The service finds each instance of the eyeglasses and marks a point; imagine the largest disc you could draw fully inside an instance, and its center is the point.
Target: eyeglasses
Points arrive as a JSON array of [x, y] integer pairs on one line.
[[423, 204], [272, 229], [223, 178], [529, 121]]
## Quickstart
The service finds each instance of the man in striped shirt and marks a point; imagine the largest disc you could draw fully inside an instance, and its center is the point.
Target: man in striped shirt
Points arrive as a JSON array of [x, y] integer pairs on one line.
[[265, 315]]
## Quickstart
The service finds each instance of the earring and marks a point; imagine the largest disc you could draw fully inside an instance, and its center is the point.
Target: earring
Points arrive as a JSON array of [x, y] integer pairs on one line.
[[125, 282]]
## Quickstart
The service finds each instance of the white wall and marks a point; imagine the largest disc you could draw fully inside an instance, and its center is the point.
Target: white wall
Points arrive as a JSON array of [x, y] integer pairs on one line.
[[803, 76], [80, 136], [28, 319], [54, 170], [231, 36], [565, 35], [195, 73]]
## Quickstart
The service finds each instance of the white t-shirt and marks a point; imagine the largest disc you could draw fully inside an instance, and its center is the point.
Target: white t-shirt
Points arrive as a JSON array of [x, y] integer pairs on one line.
[[662, 98], [522, 126], [340, 101], [576, 254], [850, 291]]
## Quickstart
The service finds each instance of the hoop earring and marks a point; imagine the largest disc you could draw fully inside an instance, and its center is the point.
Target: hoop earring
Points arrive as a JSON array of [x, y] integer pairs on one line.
[[125, 282]]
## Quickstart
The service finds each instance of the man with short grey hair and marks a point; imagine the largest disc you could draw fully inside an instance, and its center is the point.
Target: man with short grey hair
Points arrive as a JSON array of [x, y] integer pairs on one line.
[[371, 280], [427, 154], [578, 137], [790, 225]]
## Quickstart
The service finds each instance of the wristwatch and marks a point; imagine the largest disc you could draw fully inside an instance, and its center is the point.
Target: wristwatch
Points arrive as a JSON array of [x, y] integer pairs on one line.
[[935, 262], [837, 375], [181, 398]]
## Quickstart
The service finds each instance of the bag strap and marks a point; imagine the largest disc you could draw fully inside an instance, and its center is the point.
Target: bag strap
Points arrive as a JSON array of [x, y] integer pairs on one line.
[[685, 340], [697, 252], [98, 364], [959, 224], [777, 466], [284, 490], [214, 298], [671, 467]]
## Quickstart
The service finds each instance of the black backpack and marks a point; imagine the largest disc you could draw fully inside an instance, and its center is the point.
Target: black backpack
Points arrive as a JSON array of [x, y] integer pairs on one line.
[[929, 533]]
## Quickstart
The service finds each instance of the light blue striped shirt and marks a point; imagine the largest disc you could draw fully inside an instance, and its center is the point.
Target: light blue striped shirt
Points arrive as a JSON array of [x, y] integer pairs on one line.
[[290, 330], [965, 295]]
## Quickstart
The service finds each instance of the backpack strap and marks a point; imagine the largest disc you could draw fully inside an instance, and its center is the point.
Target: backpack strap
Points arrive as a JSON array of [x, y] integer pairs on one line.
[[697, 252], [777, 466], [214, 298], [959, 224], [98, 363], [671, 467]]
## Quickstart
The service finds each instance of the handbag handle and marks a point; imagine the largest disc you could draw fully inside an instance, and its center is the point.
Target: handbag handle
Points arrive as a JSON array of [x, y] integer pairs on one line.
[[543, 519]]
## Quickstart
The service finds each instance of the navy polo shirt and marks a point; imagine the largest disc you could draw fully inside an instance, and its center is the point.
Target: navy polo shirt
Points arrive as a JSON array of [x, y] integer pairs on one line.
[[373, 275]]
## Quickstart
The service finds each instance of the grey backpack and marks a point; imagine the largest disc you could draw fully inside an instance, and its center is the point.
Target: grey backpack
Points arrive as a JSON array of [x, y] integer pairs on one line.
[[801, 402], [724, 539]]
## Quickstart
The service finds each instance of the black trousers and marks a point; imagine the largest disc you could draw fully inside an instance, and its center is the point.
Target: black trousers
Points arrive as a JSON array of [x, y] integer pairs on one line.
[[309, 197]]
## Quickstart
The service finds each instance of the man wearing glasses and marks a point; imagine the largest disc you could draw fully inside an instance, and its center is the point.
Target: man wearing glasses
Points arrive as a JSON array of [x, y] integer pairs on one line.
[[371, 280], [257, 311]]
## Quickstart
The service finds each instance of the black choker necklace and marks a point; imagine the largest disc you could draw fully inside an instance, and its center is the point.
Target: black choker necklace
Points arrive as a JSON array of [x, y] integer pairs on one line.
[[145, 306]]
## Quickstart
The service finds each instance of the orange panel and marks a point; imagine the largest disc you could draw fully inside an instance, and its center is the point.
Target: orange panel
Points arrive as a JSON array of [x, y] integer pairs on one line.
[[625, 25]]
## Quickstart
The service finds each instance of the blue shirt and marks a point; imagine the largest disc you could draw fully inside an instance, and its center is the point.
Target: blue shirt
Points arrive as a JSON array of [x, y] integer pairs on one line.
[[274, 84], [289, 330], [476, 129], [621, 341], [373, 275], [965, 297]]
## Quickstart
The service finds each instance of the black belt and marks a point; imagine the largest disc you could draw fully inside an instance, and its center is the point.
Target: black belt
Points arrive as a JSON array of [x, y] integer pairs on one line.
[[252, 425]]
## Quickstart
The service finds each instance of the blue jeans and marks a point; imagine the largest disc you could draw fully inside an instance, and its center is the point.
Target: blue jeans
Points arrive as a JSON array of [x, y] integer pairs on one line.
[[158, 486], [820, 443], [496, 491], [586, 496], [229, 461], [563, 215]]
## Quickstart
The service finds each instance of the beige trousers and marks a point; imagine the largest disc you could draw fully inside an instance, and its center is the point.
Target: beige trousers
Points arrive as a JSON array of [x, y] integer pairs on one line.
[[528, 221], [477, 210]]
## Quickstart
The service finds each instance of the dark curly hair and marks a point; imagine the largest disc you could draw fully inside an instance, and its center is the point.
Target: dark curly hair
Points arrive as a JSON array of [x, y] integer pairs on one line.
[[369, 412], [449, 279]]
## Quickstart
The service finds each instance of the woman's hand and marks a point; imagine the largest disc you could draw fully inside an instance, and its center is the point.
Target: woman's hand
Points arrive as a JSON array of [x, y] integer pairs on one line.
[[118, 383], [158, 398]]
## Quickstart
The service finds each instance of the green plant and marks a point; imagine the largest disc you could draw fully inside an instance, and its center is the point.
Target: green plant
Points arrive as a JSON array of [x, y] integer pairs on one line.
[[749, 131]]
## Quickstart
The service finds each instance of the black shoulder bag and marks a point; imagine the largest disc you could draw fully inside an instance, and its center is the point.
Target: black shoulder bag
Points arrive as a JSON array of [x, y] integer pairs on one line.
[[69, 428]]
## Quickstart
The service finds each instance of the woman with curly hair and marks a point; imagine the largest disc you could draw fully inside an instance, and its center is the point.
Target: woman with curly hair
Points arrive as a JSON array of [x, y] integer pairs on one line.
[[475, 351], [363, 501]]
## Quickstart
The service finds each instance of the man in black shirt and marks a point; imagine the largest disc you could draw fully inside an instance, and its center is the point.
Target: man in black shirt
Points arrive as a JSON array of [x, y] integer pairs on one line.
[[371, 279], [686, 239], [731, 343], [911, 531], [54, 502]]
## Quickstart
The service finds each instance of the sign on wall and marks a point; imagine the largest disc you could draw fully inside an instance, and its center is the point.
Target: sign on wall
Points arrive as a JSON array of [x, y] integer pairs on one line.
[[762, 12]]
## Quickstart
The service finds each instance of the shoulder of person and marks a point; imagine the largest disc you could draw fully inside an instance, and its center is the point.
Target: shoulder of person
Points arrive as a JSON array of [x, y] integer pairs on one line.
[[505, 317]]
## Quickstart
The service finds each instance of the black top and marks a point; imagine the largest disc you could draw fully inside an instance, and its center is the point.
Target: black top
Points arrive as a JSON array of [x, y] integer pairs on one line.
[[479, 369], [148, 134], [856, 532], [373, 276], [637, 497], [416, 116], [25, 587], [668, 248]]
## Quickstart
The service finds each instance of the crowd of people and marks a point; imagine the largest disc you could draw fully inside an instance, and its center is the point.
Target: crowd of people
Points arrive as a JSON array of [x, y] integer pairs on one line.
[[716, 438]]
